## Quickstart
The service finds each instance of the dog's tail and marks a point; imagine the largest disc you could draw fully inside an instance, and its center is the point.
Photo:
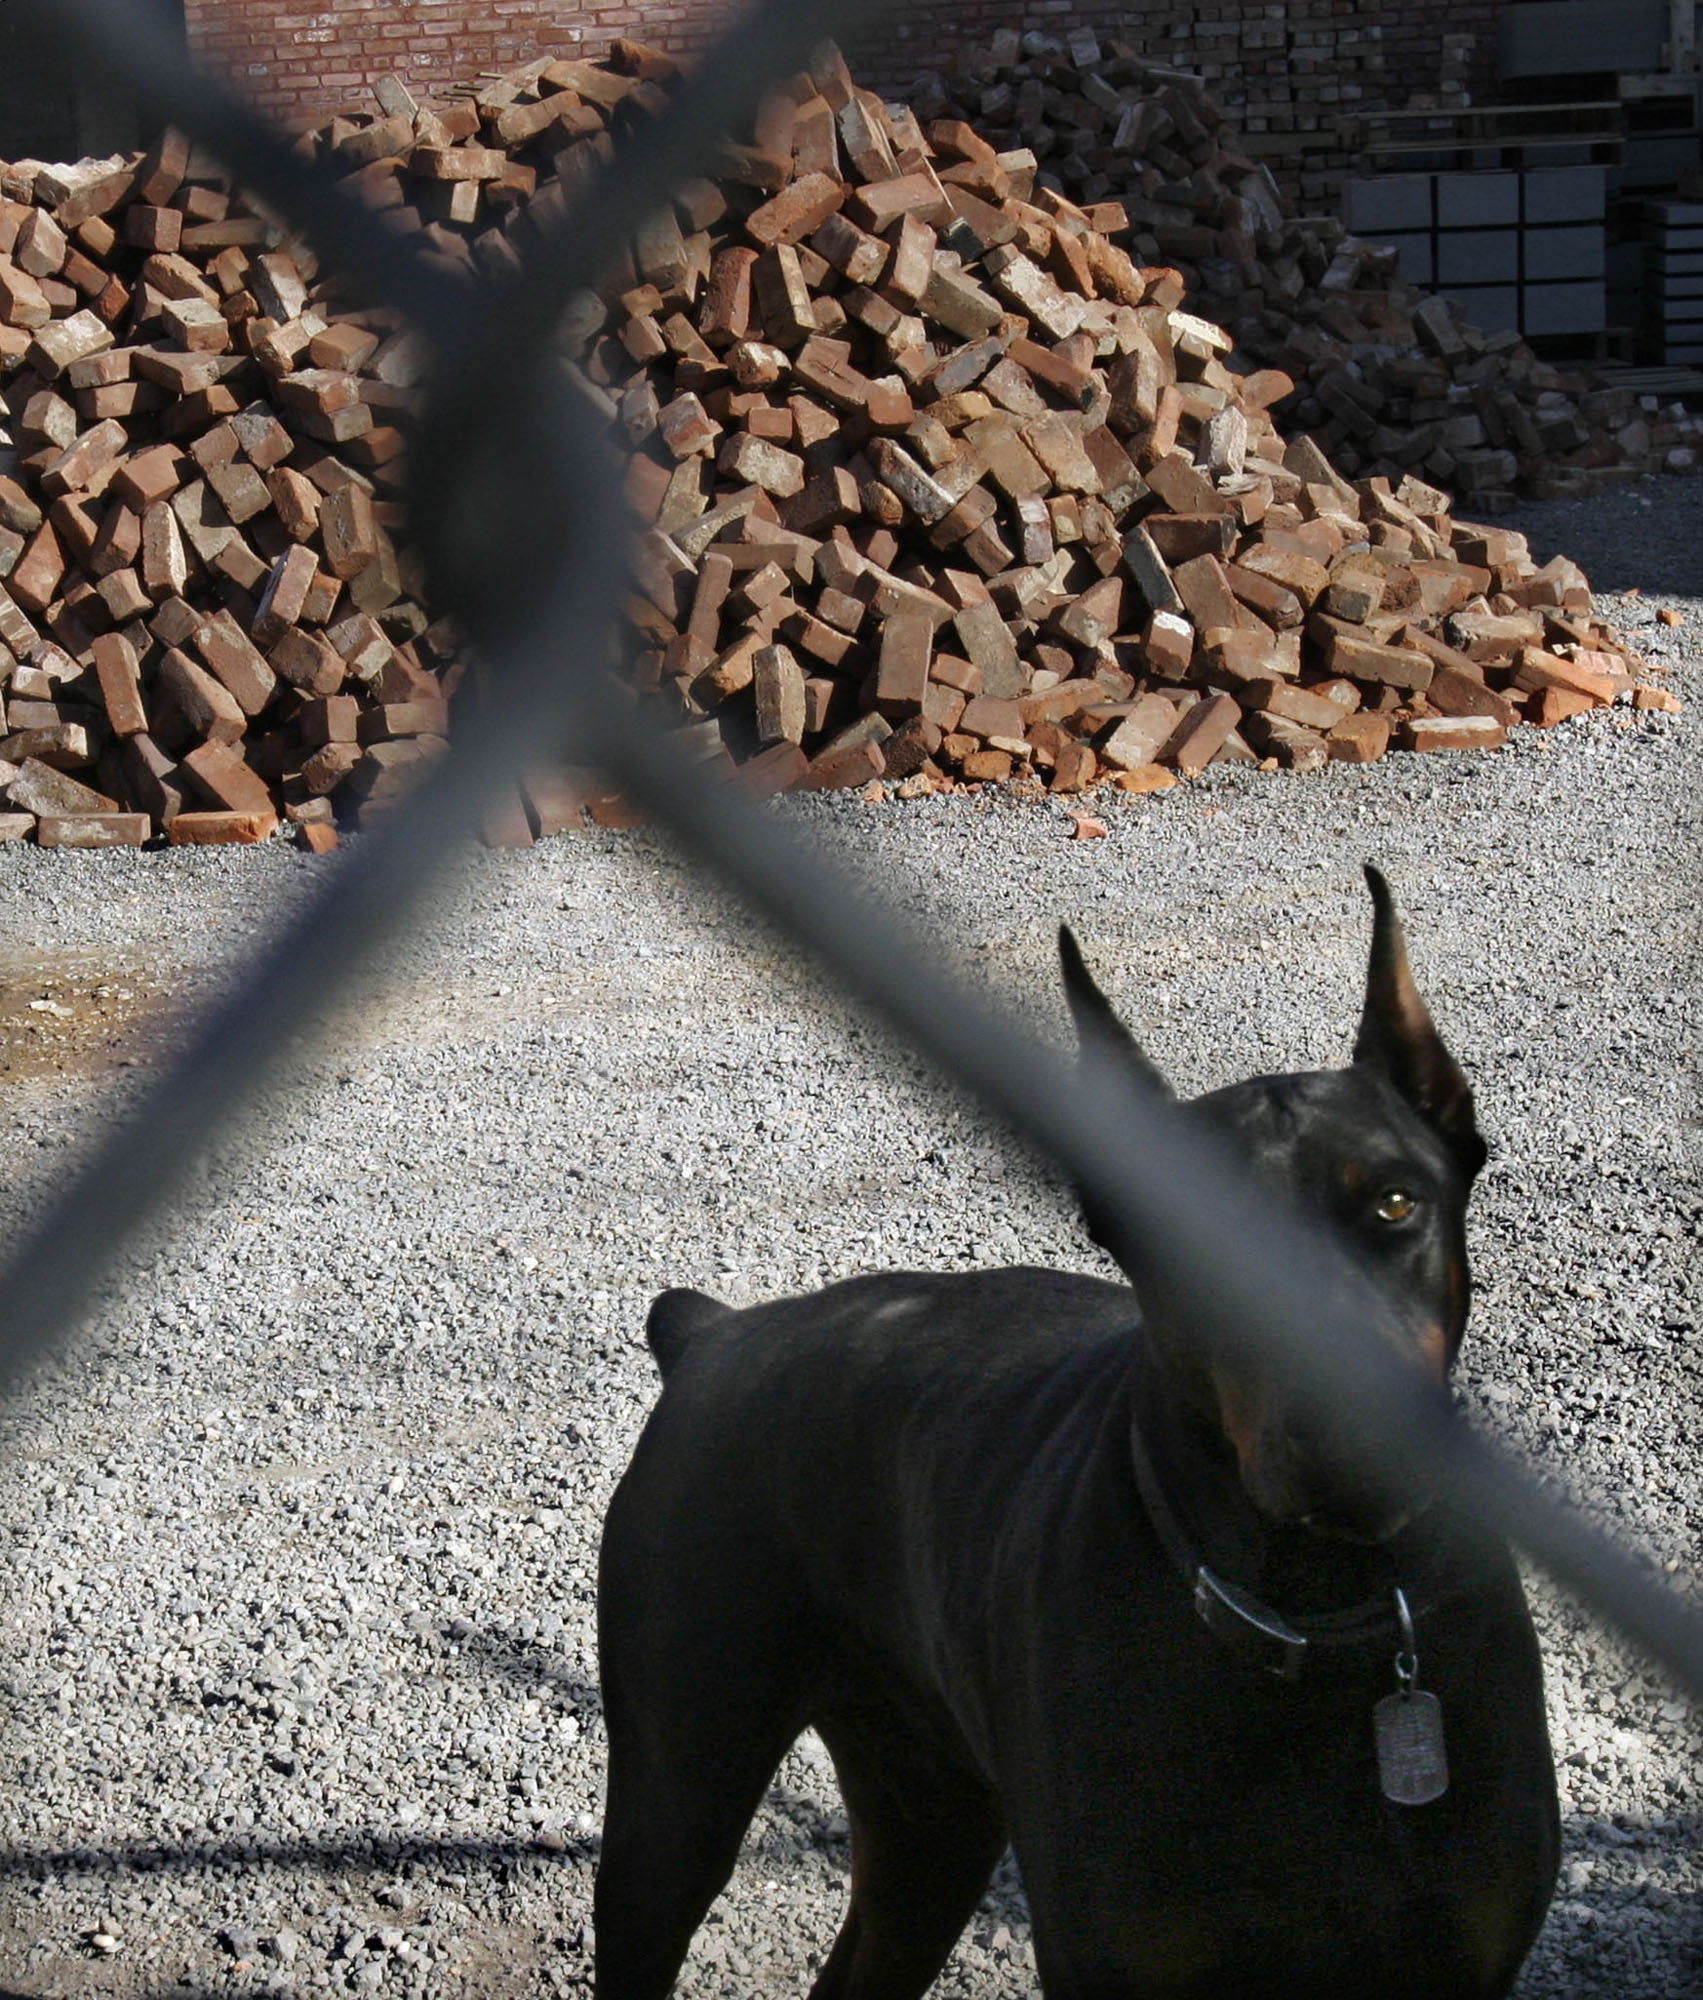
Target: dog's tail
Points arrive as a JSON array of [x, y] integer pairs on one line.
[[676, 1317]]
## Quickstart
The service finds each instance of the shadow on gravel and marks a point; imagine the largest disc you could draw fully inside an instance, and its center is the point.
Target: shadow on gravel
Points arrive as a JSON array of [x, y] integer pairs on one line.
[[530, 1661], [355, 1851]]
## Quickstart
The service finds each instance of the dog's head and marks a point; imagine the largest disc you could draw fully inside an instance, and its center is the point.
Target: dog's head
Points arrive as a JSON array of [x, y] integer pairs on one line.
[[1385, 1150]]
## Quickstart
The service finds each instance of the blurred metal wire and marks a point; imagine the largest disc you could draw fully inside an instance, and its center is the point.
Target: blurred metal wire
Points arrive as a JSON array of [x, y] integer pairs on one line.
[[519, 505]]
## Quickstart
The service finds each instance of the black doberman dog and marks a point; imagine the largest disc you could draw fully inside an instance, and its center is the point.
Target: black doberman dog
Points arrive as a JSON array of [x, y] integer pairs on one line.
[[1041, 1571]]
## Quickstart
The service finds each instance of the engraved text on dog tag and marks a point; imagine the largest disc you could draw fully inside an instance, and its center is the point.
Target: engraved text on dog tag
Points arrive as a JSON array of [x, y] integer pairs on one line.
[[1413, 1764]]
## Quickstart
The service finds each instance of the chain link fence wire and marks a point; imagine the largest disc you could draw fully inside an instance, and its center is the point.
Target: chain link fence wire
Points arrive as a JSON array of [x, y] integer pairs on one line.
[[517, 502]]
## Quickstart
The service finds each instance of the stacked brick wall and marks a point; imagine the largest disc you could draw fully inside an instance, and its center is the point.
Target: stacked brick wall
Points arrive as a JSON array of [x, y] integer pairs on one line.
[[1449, 55], [301, 61], [1287, 69]]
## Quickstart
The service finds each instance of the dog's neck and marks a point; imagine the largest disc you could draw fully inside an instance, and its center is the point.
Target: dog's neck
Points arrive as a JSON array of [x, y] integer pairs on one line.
[[1292, 1569]]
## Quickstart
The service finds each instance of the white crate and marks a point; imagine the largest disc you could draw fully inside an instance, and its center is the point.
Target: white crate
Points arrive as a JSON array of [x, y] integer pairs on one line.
[[1387, 202], [1477, 201], [1566, 194], [1563, 252], [1491, 308], [1566, 308], [1478, 256]]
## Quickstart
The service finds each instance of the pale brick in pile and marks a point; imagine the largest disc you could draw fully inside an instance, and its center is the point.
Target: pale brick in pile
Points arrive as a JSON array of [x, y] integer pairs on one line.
[[940, 482], [1389, 380]]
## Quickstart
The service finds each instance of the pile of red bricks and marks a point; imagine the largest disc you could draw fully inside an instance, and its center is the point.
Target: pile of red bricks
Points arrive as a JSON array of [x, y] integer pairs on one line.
[[204, 614], [940, 484]]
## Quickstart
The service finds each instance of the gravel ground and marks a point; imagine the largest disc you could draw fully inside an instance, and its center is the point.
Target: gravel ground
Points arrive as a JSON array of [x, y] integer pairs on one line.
[[297, 1651]]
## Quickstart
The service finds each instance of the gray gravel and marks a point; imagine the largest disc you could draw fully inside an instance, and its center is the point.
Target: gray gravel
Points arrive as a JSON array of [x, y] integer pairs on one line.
[[300, 1689]]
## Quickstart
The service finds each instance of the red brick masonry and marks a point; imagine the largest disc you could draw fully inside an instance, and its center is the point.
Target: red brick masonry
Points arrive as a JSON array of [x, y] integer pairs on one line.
[[301, 62]]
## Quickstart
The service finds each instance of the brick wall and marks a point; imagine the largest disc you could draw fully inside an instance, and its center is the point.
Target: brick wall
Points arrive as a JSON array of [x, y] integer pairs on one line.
[[1450, 51], [301, 60]]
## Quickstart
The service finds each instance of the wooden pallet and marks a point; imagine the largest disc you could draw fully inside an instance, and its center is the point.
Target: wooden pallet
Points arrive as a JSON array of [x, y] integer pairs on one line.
[[1599, 346], [1498, 124], [1672, 383], [1523, 129], [1290, 145]]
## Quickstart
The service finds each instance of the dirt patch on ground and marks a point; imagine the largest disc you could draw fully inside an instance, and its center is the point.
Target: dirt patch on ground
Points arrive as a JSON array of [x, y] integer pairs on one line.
[[78, 1014]]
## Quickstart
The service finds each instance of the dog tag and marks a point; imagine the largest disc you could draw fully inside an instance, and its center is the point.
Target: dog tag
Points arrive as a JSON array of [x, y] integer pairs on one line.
[[1413, 1764]]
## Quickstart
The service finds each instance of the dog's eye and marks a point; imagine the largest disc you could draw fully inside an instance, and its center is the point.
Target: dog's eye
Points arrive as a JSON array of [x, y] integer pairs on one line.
[[1395, 1205]]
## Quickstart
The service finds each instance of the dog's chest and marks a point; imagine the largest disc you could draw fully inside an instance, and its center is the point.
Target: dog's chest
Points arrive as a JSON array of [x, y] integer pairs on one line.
[[1159, 1784]]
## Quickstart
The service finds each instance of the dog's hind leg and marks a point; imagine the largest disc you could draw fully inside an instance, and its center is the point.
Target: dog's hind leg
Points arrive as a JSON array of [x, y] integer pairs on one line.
[[925, 1840], [679, 1800], [708, 1664], [705, 1679]]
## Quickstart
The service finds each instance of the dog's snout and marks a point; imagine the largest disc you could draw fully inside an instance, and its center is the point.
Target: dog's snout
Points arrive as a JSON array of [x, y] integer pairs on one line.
[[1301, 1469]]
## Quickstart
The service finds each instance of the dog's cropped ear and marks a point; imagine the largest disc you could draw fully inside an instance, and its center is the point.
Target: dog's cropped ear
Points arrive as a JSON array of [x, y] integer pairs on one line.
[[1097, 1025], [1399, 1039]]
